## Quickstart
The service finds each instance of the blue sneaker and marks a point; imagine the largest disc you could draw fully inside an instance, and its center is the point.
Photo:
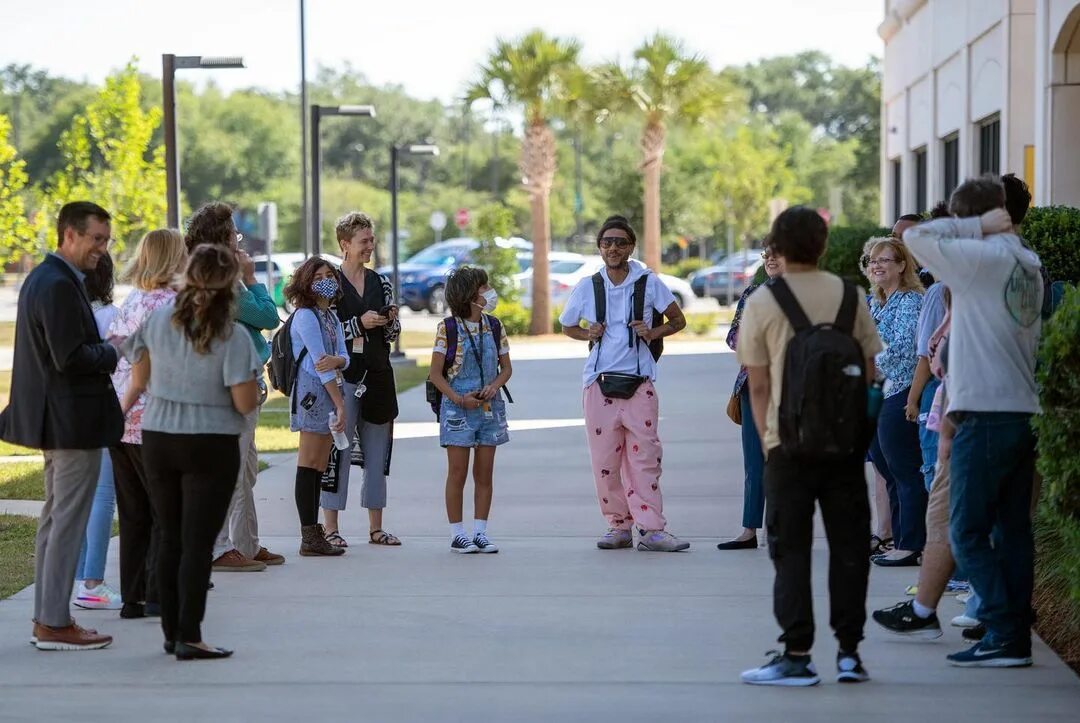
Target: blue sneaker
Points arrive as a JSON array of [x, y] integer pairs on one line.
[[782, 670], [988, 653]]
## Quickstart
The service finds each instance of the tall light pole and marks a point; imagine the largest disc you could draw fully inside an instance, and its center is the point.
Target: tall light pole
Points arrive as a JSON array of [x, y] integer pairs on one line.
[[169, 64], [317, 112], [395, 150], [305, 242]]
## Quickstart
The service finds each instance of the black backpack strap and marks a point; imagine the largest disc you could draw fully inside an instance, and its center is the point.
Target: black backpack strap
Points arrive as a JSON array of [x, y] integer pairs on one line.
[[496, 334], [639, 297], [599, 297], [287, 330], [845, 318], [450, 324], [788, 304]]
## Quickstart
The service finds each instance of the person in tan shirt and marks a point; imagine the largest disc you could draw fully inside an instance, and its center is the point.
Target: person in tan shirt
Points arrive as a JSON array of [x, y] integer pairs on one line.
[[793, 486]]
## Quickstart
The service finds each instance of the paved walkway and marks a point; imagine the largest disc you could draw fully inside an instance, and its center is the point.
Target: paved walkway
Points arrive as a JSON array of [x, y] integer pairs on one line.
[[550, 629]]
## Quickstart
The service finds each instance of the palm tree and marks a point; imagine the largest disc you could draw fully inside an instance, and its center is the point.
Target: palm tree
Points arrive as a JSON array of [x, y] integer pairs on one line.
[[667, 84], [529, 72]]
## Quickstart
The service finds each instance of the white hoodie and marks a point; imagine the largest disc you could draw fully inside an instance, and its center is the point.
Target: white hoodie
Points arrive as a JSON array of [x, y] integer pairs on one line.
[[996, 303], [615, 351]]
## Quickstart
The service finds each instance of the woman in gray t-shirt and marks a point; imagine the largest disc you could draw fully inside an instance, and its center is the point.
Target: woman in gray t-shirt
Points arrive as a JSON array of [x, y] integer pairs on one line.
[[199, 367]]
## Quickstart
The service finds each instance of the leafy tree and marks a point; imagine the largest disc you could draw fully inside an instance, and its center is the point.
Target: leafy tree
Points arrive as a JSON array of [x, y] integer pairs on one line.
[[110, 160], [17, 233], [494, 222], [530, 73]]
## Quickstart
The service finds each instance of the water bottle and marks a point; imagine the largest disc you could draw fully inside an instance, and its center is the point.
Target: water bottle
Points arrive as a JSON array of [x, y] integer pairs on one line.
[[340, 440], [875, 397]]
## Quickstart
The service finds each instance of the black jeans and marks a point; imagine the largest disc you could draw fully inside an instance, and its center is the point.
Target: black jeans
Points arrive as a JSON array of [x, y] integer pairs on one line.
[[192, 477], [791, 488], [139, 535]]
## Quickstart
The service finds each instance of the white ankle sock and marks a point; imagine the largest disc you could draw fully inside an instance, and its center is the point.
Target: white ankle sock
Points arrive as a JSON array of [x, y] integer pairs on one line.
[[457, 528], [479, 526], [921, 610]]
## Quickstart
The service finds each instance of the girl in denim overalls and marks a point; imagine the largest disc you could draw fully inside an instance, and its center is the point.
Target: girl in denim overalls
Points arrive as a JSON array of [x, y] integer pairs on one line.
[[473, 412]]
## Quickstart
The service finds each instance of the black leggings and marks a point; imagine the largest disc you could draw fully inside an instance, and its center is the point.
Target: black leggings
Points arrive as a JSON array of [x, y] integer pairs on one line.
[[307, 491], [191, 479], [139, 533]]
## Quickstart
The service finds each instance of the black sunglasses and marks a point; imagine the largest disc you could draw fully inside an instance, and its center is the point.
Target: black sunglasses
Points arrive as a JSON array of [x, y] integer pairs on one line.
[[608, 241]]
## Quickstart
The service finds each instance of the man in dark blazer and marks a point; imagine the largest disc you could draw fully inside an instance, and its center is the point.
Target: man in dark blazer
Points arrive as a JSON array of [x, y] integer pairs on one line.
[[63, 403]]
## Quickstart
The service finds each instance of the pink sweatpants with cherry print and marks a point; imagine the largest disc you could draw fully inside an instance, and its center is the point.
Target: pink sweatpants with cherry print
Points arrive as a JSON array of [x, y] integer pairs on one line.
[[625, 448]]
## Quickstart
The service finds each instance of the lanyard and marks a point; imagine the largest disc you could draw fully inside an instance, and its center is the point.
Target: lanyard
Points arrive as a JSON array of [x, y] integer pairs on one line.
[[472, 345]]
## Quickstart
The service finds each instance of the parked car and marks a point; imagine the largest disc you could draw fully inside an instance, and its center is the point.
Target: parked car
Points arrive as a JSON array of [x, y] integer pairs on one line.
[[712, 281], [567, 269], [283, 267], [423, 275]]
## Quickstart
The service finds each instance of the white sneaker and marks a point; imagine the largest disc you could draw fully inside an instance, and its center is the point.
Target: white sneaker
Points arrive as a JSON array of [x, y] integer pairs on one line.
[[963, 621], [101, 597]]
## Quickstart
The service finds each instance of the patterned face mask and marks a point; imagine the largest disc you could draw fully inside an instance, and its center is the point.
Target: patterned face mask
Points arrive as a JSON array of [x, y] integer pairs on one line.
[[326, 288]]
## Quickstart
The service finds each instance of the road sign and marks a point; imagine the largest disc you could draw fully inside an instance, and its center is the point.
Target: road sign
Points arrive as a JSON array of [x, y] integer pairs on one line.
[[461, 218], [437, 221]]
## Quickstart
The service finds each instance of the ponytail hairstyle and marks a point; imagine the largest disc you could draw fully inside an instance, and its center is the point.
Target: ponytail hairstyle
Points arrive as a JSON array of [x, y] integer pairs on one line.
[[203, 308]]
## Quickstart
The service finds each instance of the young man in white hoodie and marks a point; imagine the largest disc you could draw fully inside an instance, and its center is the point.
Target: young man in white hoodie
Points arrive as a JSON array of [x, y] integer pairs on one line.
[[997, 295], [622, 408]]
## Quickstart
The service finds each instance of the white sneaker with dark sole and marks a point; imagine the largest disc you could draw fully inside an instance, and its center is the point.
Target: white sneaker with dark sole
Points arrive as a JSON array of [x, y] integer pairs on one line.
[[784, 671], [463, 545]]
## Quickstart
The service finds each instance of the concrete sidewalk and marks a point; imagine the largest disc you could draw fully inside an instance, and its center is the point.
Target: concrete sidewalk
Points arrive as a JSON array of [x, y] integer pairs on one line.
[[550, 629]]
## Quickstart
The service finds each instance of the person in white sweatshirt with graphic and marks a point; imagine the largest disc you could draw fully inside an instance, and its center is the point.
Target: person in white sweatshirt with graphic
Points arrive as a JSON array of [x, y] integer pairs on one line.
[[997, 299]]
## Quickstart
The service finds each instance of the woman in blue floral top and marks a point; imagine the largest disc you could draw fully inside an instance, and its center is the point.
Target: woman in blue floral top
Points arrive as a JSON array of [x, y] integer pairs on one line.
[[895, 305], [753, 457]]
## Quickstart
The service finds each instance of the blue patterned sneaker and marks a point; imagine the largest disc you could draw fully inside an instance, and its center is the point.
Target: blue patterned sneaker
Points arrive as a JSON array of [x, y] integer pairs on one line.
[[782, 670], [660, 541], [463, 545], [849, 668], [615, 539], [988, 653]]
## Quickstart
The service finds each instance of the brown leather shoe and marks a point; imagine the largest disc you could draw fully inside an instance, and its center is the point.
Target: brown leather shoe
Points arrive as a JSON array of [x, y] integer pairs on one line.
[[269, 558], [234, 561], [71, 637]]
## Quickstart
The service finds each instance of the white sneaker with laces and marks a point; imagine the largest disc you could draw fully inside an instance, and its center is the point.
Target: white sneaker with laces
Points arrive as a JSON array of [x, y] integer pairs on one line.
[[483, 543], [101, 597]]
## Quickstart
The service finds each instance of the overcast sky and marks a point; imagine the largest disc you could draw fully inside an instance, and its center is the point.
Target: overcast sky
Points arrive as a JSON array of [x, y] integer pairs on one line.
[[431, 47]]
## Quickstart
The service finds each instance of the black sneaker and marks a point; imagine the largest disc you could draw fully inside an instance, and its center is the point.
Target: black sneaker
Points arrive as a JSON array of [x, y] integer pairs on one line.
[[783, 670], [974, 634], [849, 668], [483, 544], [463, 545], [990, 654], [901, 619]]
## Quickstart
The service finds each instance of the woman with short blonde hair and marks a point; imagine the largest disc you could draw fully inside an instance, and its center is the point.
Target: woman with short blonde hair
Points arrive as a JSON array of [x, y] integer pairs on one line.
[[159, 260], [908, 278]]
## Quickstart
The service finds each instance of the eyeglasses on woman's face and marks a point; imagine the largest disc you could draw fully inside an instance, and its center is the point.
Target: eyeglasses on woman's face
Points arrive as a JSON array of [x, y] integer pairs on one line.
[[877, 261]]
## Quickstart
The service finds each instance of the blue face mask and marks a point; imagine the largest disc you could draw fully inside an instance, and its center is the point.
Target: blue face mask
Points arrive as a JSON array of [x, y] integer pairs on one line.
[[326, 288]]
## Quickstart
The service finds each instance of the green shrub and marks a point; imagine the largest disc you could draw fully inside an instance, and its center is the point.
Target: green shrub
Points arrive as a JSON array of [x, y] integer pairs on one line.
[[702, 324], [844, 249], [685, 267], [515, 318], [556, 325], [1054, 233]]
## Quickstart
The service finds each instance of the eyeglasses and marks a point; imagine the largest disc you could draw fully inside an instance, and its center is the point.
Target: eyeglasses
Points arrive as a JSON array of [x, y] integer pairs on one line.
[[879, 262], [101, 240], [618, 241]]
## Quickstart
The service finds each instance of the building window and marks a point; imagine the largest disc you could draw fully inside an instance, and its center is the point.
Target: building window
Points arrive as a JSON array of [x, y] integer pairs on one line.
[[921, 190], [990, 147], [950, 148], [897, 186]]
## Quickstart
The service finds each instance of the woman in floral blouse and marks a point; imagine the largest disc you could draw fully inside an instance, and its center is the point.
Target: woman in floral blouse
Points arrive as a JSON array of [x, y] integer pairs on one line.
[[753, 457], [895, 305], [154, 272]]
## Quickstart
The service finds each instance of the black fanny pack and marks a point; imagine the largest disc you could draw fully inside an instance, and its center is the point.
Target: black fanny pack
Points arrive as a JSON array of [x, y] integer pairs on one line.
[[619, 386]]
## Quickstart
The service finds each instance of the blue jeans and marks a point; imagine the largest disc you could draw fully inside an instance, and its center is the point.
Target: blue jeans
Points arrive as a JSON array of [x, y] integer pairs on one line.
[[896, 454], [99, 529], [753, 506], [993, 466], [928, 438]]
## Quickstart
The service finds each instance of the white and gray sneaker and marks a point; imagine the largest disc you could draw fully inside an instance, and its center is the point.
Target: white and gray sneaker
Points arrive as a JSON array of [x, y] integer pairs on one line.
[[463, 545], [483, 544], [782, 670], [660, 541], [616, 539], [849, 668]]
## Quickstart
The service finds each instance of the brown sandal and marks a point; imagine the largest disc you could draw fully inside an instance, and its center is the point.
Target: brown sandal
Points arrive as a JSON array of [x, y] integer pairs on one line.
[[381, 537], [335, 539]]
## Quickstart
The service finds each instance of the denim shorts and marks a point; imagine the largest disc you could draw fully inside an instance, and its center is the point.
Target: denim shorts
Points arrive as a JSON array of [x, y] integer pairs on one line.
[[472, 428]]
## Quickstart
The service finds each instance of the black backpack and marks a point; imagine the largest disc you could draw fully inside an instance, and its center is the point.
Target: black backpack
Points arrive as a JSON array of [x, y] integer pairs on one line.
[[282, 368], [434, 396], [656, 347], [823, 406]]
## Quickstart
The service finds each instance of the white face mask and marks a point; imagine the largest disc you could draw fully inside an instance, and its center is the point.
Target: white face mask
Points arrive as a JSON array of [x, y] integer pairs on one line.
[[491, 300]]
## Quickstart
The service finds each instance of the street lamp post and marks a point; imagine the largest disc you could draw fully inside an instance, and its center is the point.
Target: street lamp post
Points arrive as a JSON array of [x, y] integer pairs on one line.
[[169, 64], [395, 150], [317, 112]]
